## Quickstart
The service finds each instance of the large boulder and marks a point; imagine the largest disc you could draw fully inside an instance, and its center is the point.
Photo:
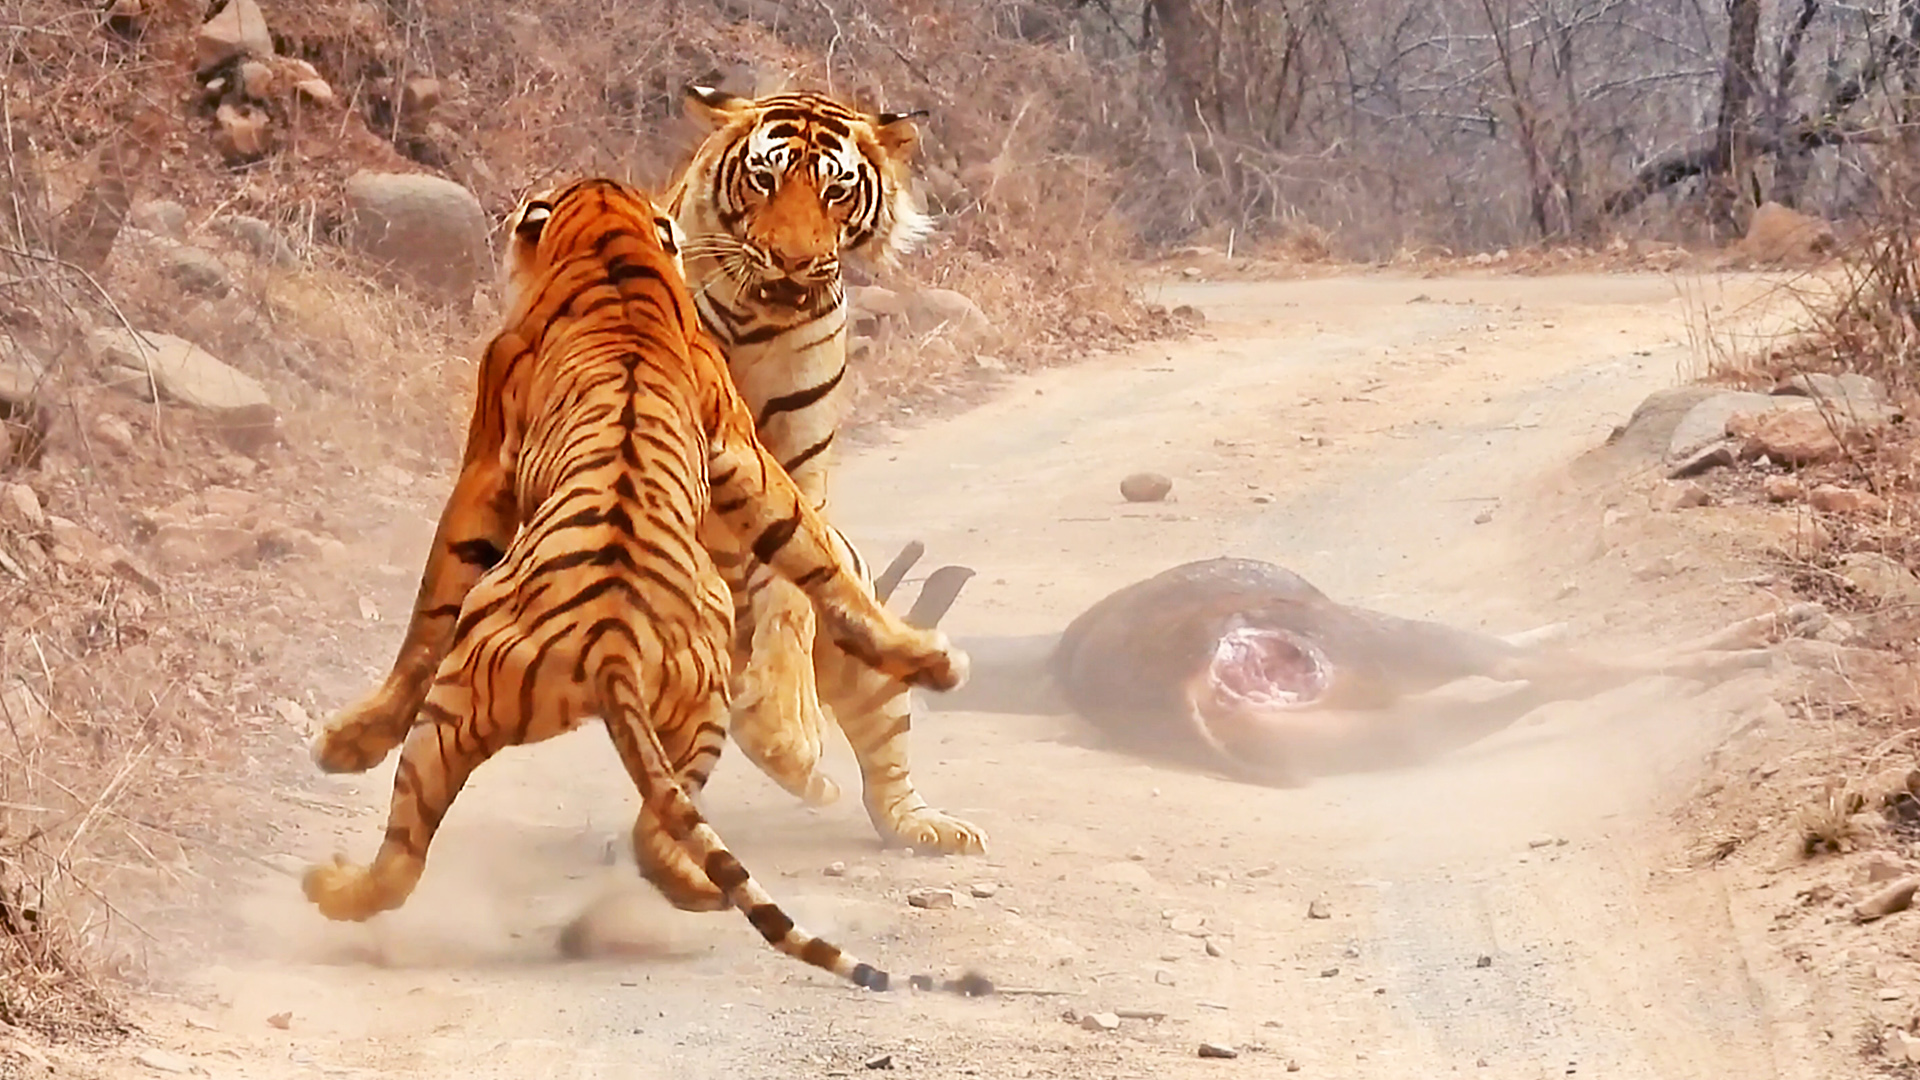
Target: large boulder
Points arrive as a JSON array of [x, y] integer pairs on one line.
[[1649, 431], [951, 313], [1848, 391], [235, 404], [428, 231], [1705, 422], [1796, 437]]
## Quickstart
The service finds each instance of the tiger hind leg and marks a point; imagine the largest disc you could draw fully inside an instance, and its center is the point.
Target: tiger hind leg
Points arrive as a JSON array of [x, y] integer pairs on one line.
[[777, 716], [875, 713], [704, 856], [662, 860], [456, 731]]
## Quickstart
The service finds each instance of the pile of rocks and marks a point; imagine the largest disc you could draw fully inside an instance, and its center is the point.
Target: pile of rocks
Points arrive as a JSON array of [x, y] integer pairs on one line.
[[427, 231], [1807, 420], [243, 83]]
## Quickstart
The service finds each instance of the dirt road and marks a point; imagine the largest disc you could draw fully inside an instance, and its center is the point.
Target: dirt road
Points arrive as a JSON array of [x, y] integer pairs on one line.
[[1518, 911]]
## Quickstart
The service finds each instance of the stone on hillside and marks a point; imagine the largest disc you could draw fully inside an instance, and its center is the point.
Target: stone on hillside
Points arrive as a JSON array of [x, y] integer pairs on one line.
[[74, 544], [1713, 456], [1674, 495], [1647, 432], [256, 236], [1782, 489], [1847, 388], [242, 413], [113, 433], [162, 217], [305, 80], [1705, 422], [317, 91], [950, 312], [1795, 437], [238, 29], [193, 270], [242, 130], [421, 96], [427, 230], [1880, 578], [132, 382], [20, 507], [1834, 499]]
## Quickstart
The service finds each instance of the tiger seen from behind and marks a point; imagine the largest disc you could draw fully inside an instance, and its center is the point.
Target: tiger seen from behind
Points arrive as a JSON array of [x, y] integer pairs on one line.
[[567, 579]]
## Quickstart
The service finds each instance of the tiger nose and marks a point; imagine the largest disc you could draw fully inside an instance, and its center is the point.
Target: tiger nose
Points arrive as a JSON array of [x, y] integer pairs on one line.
[[796, 264], [790, 262]]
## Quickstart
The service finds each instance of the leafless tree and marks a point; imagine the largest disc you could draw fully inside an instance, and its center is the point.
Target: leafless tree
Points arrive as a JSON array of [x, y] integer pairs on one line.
[[1465, 123]]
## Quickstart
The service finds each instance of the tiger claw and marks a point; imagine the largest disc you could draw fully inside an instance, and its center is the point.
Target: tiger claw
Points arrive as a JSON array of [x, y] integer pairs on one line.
[[945, 666], [928, 831]]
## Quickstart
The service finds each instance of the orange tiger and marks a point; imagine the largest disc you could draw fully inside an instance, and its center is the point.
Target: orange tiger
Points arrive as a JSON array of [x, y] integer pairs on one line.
[[781, 188], [566, 580]]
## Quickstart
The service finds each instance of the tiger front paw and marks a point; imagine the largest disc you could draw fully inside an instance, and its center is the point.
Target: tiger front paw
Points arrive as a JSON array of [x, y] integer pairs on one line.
[[935, 662], [915, 657]]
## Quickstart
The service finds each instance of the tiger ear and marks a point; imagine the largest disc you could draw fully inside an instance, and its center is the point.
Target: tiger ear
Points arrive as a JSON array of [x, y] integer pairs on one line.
[[715, 108], [532, 220], [897, 133]]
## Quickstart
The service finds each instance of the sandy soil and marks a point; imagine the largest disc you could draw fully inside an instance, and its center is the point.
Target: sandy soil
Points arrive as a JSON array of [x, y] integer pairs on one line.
[[1524, 909]]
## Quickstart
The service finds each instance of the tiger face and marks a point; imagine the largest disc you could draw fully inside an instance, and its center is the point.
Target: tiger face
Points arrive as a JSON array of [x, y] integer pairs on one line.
[[533, 241], [795, 180]]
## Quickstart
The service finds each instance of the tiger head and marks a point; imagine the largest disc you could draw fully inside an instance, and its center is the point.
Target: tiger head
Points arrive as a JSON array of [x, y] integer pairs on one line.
[[783, 185], [550, 227]]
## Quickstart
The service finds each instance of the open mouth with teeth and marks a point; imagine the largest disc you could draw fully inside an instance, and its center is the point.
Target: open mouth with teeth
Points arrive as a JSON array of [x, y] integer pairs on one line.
[[786, 291]]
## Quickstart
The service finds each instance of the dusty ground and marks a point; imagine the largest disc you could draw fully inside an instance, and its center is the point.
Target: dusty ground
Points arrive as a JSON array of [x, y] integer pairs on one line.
[[1526, 909]]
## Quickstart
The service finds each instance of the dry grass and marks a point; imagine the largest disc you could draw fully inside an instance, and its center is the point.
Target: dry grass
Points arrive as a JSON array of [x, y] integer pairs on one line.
[[1856, 314], [134, 687], [1827, 823], [1841, 781], [1026, 193], [137, 686]]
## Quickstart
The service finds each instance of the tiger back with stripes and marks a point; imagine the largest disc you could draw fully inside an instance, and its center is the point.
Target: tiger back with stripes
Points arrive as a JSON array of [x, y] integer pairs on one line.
[[567, 580], [777, 192]]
